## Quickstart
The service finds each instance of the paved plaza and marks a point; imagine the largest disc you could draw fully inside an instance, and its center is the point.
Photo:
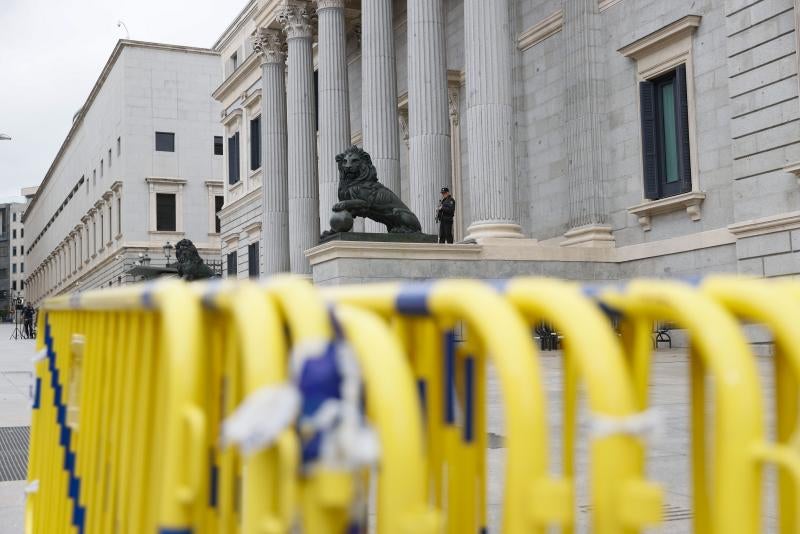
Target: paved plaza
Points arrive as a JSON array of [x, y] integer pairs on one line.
[[668, 459]]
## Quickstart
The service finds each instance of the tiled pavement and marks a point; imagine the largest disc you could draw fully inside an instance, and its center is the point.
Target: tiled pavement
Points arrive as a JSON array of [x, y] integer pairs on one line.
[[668, 460], [16, 372]]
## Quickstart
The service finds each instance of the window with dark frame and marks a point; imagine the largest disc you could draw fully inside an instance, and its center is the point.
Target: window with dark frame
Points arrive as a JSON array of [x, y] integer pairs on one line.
[[665, 135], [218, 146], [165, 212], [219, 200], [233, 159], [232, 264], [255, 143], [252, 260], [119, 146], [165, 142]]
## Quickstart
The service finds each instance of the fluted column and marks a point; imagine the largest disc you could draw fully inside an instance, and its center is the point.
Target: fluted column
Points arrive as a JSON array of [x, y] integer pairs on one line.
[[379, 94], [583, 139], [334, 104], [274, 152], [428, 110], [303, 187], [490, 121]]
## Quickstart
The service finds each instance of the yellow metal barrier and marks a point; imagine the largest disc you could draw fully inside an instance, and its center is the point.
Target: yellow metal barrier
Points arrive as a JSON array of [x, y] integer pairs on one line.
[[424, 316], [118, 434], [239, 407], [623, 501], [779, 311], [726, 492]]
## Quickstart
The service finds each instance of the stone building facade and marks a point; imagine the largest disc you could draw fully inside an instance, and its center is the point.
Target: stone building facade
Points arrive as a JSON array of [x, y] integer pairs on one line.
[[588, 139], [137, 170]]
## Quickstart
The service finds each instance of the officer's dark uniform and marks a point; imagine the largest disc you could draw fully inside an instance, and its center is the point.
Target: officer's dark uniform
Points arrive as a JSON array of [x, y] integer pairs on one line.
[[447, 209]]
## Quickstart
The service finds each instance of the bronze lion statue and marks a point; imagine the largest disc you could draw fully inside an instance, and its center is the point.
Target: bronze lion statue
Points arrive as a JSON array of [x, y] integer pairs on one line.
[[362, 195], [190, 264]]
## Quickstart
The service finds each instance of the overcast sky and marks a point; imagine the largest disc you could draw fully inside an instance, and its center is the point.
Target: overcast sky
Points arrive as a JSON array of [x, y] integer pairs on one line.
[[51, 53]]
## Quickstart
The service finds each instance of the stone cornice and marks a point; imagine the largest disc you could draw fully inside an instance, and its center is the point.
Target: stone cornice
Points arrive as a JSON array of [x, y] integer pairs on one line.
[[330, 4], [680, 28], [232, 81], [107, 195], [116, 186], [690, 201], [766, 225], [541, 31], [231, 117], [605, 4], [164, 180]]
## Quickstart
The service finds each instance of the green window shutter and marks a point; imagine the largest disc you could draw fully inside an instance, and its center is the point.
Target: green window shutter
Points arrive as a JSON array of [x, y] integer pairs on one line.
[[682, 112], [647, 98]]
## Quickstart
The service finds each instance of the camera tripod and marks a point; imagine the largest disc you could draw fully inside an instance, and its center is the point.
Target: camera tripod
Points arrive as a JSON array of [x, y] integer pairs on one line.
[[17, 333]]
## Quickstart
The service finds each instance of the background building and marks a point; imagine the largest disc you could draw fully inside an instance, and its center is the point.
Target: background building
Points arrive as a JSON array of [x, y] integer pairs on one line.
[[587, 139], [5, 259], [137, 170]]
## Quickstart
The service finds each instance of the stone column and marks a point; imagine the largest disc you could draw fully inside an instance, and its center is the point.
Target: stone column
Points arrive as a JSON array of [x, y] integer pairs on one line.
[[428, 110], [583, 92], [303, 187], [274, 152], [379, 94], [334, 104], [490, 120]]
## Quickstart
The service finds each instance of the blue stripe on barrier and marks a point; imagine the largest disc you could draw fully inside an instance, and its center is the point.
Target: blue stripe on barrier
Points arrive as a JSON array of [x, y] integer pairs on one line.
[[449, 377], [37, 393], [413, 298], [498, 284], [147, 295], [422, 391], [212, 483], [174, 531], [469, 402], [65, 433]]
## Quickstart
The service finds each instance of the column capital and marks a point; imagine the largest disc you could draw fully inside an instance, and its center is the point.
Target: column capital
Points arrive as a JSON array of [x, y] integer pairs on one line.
[[296, 21], [330, 4], [269, 44]]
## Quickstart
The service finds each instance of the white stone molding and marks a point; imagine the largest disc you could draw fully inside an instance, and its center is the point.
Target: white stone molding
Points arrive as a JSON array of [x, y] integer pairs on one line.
[[690, 201], [766, 225], [162, 184], [794, 168], [296, 20], [270, 45], [330, 4], [541, 31], [522, 250], [232, 120], [591, 235], [605, 4], [251, 101], [656, 48]]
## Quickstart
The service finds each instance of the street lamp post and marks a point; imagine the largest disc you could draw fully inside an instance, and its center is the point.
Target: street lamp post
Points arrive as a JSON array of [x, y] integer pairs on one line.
[[167, 250]]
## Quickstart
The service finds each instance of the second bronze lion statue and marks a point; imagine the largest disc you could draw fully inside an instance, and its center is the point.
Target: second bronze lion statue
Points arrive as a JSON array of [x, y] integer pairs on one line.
[[362, 195]]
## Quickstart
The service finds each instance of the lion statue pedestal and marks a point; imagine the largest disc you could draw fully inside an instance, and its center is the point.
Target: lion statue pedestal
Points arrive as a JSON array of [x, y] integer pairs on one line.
[[362, 195]]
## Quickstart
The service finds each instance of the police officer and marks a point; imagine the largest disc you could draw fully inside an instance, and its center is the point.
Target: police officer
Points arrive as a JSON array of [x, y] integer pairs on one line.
[[444, 216]]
